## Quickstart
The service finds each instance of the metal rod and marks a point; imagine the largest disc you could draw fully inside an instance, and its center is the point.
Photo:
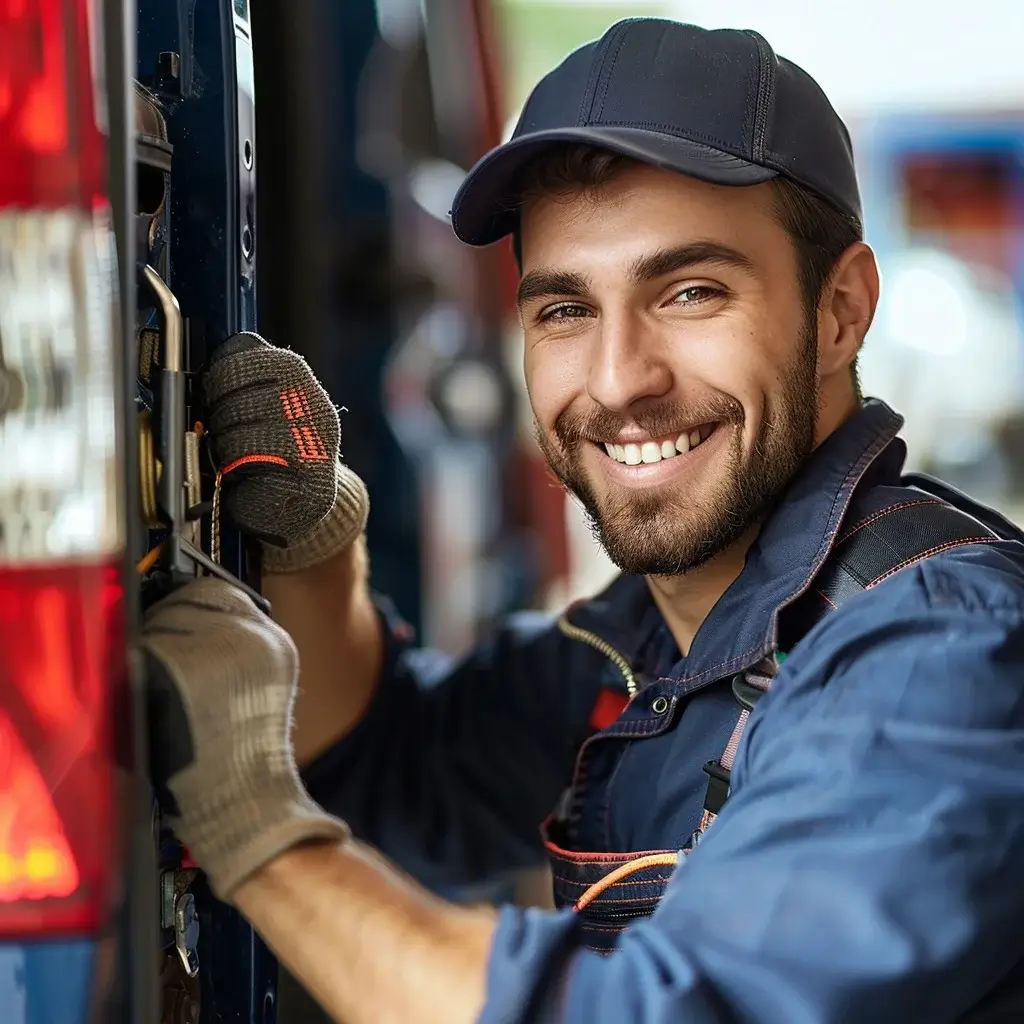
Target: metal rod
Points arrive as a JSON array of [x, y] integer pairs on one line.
[[172, 356], [172, 404], [201, 558]]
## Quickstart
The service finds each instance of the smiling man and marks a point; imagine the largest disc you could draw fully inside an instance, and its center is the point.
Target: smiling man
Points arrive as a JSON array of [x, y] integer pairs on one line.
[[778, 766], [674, 363]]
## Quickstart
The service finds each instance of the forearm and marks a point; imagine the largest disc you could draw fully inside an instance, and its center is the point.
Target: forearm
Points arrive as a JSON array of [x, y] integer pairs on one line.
[[369, 945], [328, 612]]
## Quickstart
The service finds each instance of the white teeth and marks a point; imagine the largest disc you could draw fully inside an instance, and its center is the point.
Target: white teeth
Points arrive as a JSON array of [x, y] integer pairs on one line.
[[650, 451]]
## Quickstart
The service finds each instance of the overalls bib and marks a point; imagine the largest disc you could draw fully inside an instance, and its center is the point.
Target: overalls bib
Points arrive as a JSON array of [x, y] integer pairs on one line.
[[610, 891]]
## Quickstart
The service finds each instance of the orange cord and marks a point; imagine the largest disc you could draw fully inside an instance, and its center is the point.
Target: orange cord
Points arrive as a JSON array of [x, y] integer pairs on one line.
[[651, 860], [149, 559]]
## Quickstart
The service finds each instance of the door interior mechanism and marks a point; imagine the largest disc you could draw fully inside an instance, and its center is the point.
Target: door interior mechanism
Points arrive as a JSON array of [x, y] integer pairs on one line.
[[178, 537], [170, 451]]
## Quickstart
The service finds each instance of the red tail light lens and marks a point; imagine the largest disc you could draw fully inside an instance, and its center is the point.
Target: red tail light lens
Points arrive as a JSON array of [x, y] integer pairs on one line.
[[62, 648], [49, 99]]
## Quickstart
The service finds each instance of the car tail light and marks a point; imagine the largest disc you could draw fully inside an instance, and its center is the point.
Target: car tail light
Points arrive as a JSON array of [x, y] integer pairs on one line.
[[62, 642]]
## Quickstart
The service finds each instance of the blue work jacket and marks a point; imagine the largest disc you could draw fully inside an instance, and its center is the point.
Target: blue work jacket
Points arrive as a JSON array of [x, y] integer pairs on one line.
[[867, 864]]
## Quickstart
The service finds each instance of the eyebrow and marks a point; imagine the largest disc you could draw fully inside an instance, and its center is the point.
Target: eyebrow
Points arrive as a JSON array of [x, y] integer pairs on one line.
[[539, 284], [542, 283], [667, 261]]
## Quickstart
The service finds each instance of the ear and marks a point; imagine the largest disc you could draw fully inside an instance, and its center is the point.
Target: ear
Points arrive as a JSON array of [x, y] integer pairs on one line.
[[847, 309]]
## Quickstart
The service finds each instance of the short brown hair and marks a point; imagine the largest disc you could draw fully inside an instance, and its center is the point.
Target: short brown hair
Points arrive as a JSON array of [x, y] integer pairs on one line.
[[820, 232]]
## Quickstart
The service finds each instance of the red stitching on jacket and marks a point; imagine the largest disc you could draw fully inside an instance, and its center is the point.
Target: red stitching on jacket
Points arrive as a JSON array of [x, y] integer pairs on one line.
[[884, 512], [609, 858], [587, 885], [948, 546]]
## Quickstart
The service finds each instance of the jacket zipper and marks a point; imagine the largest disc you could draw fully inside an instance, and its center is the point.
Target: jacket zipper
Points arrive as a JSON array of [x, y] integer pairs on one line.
[[593, 640]]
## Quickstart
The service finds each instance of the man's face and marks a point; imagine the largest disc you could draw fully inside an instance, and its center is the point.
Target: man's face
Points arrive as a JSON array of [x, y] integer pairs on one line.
[[670, 360]]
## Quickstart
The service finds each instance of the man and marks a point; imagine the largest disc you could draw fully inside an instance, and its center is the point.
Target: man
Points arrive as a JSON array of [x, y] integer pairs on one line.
[[694, 295]]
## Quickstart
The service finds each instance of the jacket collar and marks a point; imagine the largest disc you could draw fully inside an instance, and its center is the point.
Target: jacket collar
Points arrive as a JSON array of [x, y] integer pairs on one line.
[[742, 627]]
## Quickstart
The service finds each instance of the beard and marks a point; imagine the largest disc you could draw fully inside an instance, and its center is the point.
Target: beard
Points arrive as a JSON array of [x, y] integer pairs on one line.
[[662, 533]]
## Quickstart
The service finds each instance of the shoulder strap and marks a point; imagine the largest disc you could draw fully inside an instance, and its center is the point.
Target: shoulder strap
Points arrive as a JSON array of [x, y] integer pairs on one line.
[[877, 545], [891, 539]]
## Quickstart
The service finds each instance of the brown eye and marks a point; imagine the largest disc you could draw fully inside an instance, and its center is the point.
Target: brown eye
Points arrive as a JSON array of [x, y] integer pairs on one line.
[[567, 311], [695, 294]]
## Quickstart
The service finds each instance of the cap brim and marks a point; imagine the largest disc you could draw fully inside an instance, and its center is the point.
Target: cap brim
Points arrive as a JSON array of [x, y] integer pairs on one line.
[[485, 206]]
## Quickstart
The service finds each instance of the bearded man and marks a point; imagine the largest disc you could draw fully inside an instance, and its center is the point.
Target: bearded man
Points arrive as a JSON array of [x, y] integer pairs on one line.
[[778, 765]]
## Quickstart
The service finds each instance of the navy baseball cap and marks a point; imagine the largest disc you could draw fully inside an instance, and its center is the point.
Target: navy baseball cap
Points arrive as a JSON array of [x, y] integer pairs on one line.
[[715, 105]]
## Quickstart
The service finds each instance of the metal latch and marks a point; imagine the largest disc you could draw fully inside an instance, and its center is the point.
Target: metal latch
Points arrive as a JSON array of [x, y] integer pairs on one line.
[[178, 914], [186, 933]]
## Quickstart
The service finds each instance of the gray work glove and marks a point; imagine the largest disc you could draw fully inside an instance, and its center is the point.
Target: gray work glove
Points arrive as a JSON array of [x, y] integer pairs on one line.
[[222, 684], [276, 439]]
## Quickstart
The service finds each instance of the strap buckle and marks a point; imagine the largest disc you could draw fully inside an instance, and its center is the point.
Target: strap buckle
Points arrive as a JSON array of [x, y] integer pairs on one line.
[[746, 694], [718, 787]]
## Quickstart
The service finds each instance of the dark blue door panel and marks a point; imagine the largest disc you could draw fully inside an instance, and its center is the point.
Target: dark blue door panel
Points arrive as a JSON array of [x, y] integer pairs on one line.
[[197, 57]]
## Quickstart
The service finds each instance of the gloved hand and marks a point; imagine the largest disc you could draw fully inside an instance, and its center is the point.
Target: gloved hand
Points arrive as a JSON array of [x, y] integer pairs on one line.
[[276, 440], [222, 684]]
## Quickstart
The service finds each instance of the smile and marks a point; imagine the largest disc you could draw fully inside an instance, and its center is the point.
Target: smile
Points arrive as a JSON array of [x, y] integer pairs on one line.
[[657, 449]]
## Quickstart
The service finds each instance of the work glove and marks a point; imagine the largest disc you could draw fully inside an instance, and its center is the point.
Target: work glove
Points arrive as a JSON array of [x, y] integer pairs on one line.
[[276, 440], [222, 684]]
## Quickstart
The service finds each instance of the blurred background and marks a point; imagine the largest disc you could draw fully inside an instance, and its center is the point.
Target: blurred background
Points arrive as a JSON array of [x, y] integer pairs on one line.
[[389, 102]]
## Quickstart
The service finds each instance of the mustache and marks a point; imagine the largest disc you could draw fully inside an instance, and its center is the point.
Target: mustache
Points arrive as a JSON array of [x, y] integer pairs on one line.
[[602, 426]]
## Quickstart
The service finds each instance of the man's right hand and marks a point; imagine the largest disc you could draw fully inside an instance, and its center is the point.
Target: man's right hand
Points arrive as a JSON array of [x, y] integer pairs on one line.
[[276, 440]]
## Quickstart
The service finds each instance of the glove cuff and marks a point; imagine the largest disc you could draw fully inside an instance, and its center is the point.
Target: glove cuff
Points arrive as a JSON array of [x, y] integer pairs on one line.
[[271, 843], [229, 855], [333, 534]]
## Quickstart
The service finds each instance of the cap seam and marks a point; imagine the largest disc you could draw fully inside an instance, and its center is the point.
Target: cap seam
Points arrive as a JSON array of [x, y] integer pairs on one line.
[[606, 77], [668, 129], [764, 92], [593, 81]]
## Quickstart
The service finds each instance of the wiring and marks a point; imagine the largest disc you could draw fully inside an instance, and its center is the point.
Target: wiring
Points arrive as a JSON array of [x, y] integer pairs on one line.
[[149, 559]]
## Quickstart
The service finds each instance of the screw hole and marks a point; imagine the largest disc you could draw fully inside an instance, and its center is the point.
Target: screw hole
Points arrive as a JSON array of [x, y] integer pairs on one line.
[[268, 1007], [247, 154], [247, 242]]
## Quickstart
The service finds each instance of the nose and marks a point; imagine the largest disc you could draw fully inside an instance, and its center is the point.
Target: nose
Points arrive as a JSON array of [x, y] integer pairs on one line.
[[627, 364]]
